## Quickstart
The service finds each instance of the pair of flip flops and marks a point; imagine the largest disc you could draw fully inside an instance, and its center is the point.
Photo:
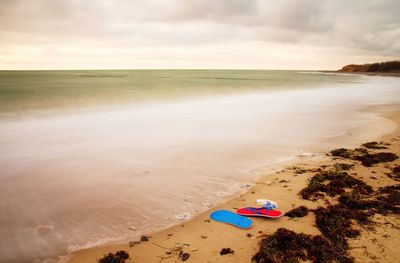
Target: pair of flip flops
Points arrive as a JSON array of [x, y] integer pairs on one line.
[[238, 219], [260, 212], [267, 203]]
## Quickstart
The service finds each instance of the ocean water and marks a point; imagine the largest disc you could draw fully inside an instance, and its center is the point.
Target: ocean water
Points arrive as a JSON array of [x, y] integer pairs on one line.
[[90, 157], [27, 91]]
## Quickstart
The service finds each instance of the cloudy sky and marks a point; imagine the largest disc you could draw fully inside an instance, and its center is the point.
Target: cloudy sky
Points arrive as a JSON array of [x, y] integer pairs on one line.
[[251, 34]]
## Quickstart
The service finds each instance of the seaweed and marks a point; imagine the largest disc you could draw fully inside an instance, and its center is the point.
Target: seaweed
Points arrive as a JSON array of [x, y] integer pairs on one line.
[[225, 251], [300, 211], [374, 145], [338, 182], [118, 257], [371, 159], [341, 152], [287, 246], [347, 153], [389, 198], [362, 155], [335, 223], [383, 202], [395, 174], [343, 166]]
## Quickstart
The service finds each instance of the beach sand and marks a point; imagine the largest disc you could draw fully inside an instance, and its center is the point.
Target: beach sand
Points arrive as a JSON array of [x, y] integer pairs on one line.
[[203, 238]]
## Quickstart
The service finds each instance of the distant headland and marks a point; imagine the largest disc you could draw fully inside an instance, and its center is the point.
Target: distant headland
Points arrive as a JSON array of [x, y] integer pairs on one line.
[[381, 68]]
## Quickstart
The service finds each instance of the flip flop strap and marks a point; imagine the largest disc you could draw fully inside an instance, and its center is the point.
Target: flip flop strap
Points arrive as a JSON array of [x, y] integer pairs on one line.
[[268, 205], [256, 210]]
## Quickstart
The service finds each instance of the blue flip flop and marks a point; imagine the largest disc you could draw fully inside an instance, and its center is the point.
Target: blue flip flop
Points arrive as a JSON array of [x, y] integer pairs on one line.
[[232, 218]]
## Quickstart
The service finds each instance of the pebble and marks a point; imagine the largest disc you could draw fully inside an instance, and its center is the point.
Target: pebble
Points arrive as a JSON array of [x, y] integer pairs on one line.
[[185, 256], [225, 251], [144, 238]]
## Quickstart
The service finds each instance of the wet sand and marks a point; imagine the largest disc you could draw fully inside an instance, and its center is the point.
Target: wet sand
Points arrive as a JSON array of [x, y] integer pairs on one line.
[[203, 238]]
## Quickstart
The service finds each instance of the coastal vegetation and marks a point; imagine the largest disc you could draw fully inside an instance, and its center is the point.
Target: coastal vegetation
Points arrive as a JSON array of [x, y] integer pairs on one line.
[[381, 67]]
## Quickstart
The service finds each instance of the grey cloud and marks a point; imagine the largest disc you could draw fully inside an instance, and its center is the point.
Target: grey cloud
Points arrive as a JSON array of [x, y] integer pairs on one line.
[[370, 26]]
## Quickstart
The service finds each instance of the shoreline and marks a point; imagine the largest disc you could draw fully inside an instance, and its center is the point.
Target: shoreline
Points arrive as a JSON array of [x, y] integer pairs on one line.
[[202, 238], [382, 74]]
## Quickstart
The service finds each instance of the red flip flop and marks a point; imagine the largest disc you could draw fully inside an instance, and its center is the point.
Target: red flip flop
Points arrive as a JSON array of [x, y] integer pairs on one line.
[[262, 212]]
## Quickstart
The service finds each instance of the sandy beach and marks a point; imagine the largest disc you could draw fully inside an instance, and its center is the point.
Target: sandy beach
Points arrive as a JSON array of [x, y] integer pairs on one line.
[[203, 238], [87, 177]]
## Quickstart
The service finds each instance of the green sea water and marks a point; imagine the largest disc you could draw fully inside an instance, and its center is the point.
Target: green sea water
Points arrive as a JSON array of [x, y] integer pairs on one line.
[[31, 91]]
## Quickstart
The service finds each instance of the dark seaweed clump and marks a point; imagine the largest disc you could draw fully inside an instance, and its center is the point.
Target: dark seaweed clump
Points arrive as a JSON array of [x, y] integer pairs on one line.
[[300, 211], [287, 246], [332, 183], [384, 201], [118, 257], [395, 174], [227, 250], [374, 158], [374, 145], [335, 223], [349, 154], [343, 166], [362, 155]]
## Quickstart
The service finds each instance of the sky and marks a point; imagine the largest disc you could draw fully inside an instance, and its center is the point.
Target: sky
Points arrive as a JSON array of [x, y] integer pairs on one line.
[[174, 34]]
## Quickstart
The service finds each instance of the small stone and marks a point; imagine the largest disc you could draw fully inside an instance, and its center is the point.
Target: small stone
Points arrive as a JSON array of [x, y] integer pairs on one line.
[[203, 236], [185, 256], [144, 238], [249, 235], [373, 177]]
